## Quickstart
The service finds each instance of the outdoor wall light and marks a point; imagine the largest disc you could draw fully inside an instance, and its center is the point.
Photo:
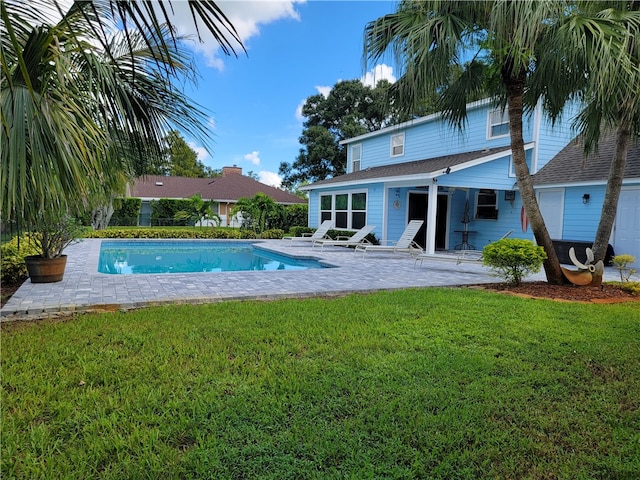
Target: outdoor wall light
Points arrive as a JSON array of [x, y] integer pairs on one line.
[[509, 195], [448, 170], [585, 198]]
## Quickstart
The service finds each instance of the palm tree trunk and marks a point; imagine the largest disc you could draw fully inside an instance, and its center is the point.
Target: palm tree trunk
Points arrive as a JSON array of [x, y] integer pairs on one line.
[[515, 90], [612, 192]]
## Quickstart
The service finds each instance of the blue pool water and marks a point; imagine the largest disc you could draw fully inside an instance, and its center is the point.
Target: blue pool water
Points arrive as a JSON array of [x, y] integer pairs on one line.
[[184, 256]]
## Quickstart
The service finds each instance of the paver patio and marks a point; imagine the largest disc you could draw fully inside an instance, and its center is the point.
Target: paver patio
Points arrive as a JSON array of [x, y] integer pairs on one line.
[[84, 289]]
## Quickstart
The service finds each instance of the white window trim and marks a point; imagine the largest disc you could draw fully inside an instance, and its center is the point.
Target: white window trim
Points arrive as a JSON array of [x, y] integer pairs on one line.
[[490, 124], [356, 160], [349, 210], [397, 135]]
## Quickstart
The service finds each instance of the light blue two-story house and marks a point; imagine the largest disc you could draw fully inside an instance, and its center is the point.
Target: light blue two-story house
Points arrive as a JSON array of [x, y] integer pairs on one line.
[[399, 173]]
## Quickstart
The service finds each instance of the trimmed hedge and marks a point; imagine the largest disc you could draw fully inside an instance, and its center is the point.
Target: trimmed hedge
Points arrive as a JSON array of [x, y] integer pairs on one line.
[[12, 256], [126, 211], [145, 232]]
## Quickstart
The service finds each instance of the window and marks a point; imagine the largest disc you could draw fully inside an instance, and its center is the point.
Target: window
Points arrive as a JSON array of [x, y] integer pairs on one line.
[[487, 204], [498, 124], [325, 207], [397, 144], [356, 156], [347, 210]]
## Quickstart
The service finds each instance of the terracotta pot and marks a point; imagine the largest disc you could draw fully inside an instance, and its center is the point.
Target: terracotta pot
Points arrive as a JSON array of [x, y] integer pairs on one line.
[[45, 270]]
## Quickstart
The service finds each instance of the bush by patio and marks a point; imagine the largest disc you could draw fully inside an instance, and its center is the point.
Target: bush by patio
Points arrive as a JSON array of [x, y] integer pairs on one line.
[[12, 255], [514, 258]]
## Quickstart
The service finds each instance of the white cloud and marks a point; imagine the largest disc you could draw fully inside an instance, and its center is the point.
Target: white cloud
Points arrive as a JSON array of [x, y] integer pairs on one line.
[[379, 72], [324, 91], [246, 16], [299, 115], [253, 157], [211, 123], [200, 151], [270, 178]]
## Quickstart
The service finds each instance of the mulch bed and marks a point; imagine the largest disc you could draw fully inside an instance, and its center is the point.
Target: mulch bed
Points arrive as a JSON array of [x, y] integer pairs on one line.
[[569, 293]]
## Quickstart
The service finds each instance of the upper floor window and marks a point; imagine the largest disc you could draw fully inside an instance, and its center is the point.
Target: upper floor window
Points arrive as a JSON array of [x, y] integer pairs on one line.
[[498, 123], [487, 204], [397, 144], [356, 157]]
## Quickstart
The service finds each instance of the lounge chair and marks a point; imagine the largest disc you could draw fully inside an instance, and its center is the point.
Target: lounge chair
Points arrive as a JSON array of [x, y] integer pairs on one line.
[[463, 256], [356, 239], [404, 244], [319, 234]]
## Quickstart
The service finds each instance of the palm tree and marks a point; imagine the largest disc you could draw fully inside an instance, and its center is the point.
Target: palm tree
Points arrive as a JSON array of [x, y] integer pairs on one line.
[[78, 105], [613, 103], [256, 210], [507, 43]]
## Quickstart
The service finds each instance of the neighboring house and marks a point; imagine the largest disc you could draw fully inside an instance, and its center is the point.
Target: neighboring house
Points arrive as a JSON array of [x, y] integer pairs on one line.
[[395, 174], [224, 191]]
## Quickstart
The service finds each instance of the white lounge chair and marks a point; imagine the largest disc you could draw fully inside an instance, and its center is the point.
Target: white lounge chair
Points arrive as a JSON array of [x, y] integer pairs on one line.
[[404, 244], [319, 234], [356, 239], [462, 256]]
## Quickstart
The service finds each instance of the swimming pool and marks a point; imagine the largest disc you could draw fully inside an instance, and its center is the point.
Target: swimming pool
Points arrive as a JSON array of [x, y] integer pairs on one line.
[[191, 256]]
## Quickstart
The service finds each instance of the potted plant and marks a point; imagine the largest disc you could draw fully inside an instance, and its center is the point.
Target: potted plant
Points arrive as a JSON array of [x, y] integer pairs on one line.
[[50, 234]]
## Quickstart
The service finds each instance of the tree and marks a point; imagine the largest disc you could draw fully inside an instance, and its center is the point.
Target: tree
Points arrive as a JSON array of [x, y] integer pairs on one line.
[[80, 104], [180, 160], [197, 210], [256, 210], [519, 52], [613, 103], [350, 109], [252, 174]]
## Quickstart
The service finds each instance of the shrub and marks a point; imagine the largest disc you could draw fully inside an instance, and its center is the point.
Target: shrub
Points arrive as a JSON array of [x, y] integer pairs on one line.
[[164, 212], [273, 233], [514, 258], [298, 231], [12, 255], [297, 214], [217, 233], [628, 286], [621, 263], [126, 211]]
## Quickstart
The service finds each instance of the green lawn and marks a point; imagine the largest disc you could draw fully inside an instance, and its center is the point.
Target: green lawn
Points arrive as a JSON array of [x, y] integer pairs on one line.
[[432, 383]]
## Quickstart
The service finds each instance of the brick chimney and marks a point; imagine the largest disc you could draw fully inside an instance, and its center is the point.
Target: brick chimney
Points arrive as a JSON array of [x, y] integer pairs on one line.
[[229, 170]]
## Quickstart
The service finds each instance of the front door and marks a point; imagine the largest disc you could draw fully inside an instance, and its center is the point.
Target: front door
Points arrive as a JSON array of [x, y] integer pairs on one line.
[[418, 207]]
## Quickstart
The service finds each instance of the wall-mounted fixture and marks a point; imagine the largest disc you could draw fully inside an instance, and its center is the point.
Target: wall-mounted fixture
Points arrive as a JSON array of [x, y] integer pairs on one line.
[[585, 198], [509, 195], [448, 170]]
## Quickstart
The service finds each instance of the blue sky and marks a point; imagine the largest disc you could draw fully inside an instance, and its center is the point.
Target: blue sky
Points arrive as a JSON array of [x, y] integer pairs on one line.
[[294, 50]]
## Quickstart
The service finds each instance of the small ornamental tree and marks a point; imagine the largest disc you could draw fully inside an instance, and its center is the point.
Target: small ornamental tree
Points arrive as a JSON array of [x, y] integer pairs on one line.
[[622, 262], [514, 258]]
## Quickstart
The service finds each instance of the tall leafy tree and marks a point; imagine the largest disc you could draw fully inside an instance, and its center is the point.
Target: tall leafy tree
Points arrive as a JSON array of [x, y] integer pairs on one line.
[[613, 106], [180, 160], [350, 109], [519, 52]]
